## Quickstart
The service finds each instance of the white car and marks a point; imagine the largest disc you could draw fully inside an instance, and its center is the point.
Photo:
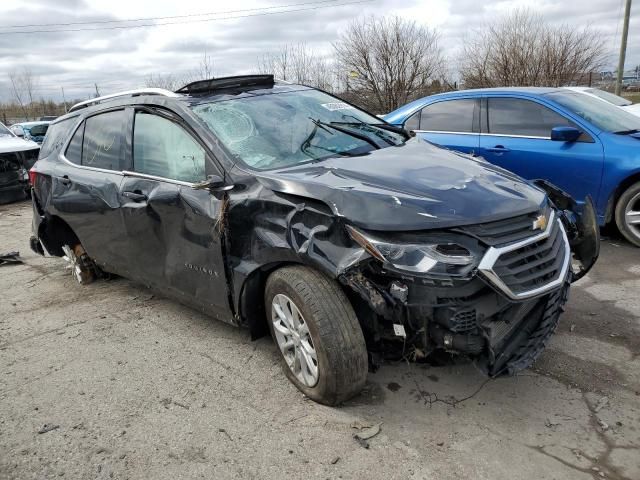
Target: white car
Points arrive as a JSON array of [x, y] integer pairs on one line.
[[17, 156], [627, 105], [34, 131]]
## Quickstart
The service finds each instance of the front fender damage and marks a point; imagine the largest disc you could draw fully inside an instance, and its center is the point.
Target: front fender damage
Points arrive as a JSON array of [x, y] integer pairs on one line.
[[402, 316], [581, 224]]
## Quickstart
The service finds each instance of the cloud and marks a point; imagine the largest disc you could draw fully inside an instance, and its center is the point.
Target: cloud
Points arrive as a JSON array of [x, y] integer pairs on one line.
[[121, 58]]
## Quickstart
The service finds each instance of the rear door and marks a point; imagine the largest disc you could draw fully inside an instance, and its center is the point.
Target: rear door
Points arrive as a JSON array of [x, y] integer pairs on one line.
[[454, 124], [85, 186], [172, 230], [516, 135]]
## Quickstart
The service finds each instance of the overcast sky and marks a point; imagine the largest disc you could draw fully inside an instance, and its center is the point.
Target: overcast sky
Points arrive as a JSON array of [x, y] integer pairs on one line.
[[120, 58]]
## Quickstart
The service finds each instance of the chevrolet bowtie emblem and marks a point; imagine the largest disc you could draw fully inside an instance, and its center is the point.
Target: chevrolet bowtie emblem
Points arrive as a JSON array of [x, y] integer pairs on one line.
[[540, 223]]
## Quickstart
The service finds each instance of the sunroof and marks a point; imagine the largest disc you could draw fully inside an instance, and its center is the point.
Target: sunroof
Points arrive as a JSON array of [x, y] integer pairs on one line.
[[223, 83]]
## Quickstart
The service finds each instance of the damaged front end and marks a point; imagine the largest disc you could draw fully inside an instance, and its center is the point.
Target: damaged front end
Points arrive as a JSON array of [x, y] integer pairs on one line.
[[493, 292]]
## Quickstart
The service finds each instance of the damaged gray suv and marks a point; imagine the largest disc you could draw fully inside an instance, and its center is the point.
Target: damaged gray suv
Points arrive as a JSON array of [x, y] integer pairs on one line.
[[280, 207]]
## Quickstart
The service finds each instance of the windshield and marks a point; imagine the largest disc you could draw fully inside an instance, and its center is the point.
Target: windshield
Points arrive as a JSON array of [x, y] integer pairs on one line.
[[603, 115], [285, 129], [4, 131], [609, 97]]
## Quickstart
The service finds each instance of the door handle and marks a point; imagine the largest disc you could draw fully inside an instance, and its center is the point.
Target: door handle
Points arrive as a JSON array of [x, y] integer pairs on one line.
[[135, 196], [498, 149], [65, 180]]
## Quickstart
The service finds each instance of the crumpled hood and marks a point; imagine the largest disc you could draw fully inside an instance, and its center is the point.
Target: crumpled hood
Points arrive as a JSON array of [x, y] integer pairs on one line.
[[10, 144], [413, 186]]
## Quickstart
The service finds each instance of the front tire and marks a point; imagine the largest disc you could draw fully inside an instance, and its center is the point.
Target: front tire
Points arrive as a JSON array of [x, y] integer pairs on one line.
[[628, 214], [318, 334]]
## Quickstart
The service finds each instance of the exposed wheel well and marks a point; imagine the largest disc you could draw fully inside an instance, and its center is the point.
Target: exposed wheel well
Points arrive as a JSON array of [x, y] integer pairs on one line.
[[251, 302], [55, 233], [613, 200]]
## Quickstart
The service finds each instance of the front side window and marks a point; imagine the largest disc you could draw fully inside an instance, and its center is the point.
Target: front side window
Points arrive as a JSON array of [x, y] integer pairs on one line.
[[103, 142], [513, 116], [164, 149], [293, 127], [449, 116]]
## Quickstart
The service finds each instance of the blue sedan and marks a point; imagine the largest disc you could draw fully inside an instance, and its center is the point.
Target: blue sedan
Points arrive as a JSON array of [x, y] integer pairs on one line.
[[581, 144]]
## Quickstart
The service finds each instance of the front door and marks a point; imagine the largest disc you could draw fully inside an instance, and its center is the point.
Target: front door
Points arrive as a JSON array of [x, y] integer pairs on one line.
[[173, 233], [516, 135]]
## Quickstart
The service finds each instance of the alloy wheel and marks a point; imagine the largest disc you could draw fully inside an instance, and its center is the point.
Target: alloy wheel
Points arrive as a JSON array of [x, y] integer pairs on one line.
[[632, 215], [294, 340]]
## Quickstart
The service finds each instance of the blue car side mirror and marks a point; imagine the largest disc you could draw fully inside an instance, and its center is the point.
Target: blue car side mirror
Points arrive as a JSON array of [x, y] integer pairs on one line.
[[565, 134]]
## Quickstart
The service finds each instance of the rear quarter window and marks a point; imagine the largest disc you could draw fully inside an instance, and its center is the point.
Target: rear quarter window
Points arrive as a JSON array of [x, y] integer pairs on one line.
[[56, 135]]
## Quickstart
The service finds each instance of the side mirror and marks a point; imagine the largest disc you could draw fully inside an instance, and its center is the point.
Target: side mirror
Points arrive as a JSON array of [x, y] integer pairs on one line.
[[18, 131], [213, 183], [565, 134]]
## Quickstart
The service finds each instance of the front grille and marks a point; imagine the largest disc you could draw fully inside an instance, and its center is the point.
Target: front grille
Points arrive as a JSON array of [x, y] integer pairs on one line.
[[529, 267], [533, 265], [504, 231]]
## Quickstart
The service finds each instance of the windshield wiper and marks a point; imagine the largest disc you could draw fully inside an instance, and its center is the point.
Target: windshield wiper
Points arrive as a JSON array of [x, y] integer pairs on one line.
[[627, 132], [380, 126], [346, 131]]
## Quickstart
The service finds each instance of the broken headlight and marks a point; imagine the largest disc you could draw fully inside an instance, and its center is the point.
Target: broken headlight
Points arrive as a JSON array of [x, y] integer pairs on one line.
[[434, 256]]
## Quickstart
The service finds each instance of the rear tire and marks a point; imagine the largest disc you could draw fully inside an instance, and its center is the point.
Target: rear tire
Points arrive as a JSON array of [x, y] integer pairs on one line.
[[628, 211], [328, 334]]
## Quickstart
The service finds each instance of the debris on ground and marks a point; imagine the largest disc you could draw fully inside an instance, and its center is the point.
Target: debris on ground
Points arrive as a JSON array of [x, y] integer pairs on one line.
[[10, 258], [335, 460], [603, 402], [165, 402], [366, 432], [550, 424], [47, 427]]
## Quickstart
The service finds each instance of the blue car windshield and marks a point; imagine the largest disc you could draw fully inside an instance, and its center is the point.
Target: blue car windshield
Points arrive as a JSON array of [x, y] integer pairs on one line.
[[290, 128], [603, 115]]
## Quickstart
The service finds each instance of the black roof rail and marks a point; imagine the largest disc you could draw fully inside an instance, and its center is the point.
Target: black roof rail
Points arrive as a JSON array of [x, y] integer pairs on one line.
[[223, 83]]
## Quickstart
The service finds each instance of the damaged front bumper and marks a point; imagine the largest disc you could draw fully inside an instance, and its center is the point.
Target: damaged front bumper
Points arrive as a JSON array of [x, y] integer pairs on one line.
[[503, 313]]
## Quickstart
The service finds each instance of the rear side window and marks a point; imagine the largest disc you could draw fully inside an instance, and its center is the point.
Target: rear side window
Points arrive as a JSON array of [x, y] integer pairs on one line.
[[57, 134], [458, 116], [164, 149], [74, 150], [512, 116], [103, 143]]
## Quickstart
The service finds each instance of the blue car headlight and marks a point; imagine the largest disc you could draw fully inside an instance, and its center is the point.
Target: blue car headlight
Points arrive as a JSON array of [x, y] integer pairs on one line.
[[434, 256]]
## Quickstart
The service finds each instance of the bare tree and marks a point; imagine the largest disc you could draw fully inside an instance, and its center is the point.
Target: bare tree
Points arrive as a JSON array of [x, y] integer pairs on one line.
[[299, 63], [167, 81], [391, 60], [205, 68], [173, 81], [521, 49], [23, 84]]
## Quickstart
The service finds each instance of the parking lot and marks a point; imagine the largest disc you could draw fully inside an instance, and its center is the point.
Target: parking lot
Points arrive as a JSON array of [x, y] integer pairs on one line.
[[110, 381]]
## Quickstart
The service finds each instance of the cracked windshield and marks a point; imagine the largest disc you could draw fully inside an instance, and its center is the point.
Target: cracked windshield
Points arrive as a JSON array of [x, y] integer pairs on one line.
[[285, 129]]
